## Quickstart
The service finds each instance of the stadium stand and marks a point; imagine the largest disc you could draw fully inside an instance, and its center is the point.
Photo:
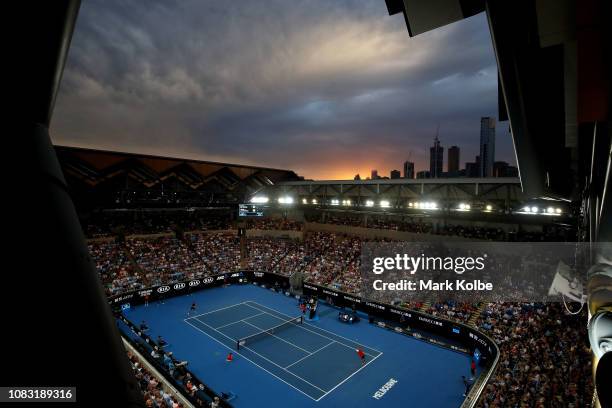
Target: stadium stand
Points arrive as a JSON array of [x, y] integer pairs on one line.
[[536, 340]]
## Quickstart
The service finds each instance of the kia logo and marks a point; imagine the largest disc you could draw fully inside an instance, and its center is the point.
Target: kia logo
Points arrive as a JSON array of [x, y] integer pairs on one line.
[[194, 283], [163, 289], [179, 286]]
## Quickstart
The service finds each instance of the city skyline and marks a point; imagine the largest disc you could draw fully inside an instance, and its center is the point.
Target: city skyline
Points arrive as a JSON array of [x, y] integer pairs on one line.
[[487, 167]]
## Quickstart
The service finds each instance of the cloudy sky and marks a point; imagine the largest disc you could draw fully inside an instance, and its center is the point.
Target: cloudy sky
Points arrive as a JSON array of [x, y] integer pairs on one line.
[[328, 88]]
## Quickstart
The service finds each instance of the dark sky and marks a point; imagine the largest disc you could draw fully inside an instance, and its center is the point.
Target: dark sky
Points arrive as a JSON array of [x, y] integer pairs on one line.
[[328, 88]]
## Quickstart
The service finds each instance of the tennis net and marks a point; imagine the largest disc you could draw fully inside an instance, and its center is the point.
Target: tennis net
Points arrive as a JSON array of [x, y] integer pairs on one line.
[[268, 332]]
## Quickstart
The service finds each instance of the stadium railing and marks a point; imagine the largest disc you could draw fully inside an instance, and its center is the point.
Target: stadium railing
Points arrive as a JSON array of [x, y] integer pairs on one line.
[[144, 344]]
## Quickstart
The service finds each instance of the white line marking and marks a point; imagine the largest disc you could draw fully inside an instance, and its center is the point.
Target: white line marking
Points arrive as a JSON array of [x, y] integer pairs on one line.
[[319, 334], [213, 311], [346, 379], [246, 303], [270, 334], [237, 321], [265, 358], [310, 354], [248, 359]]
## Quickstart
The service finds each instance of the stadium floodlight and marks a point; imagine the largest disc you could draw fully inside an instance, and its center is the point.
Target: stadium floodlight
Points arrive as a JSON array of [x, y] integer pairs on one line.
[[335, 201], [259, 200], [558, 210], [314, 201], [550, 210], [304, 201], [285, 200], [385, 203], [527, 209], [464, 207], [534, 209], [410, 204], [489, 207], [369, 203], [346, 202]]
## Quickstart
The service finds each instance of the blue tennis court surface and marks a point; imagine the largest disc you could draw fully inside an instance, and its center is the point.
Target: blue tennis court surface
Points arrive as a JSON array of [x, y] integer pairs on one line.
[[307, 365], [305, 357]]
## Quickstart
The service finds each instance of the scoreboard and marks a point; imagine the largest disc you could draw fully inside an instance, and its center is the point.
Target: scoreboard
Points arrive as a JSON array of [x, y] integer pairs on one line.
[[251, 210]]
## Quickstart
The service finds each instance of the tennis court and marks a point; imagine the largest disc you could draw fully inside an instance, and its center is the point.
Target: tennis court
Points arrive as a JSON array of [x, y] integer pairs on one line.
[[307, 358]]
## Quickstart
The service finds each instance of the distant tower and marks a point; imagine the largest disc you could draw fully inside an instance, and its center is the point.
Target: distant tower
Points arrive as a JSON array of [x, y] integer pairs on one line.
[[408, 170], [436, 158], [487, 146], [374, 174], [453, 160]]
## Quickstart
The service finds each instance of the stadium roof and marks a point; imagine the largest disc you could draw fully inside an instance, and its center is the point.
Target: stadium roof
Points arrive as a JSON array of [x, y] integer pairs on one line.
[[450, 180], [109, 179]]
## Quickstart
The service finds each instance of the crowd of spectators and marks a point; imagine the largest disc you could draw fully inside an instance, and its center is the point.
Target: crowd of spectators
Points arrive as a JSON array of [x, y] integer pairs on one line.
[[334, 260], [420, 225], [220, 252], [450, 309], [152, 389], [112, 223], [106, 224], [165, 362], [117, 273], [544, 356], [141, 262], [280, 224]]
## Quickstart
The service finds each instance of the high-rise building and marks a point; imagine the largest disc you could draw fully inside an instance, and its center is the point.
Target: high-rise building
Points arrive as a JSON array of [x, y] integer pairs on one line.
[[408, 169], [423, 174], [472, 169], [487, 146], [503, 169], [395, 174], [453, 160], [436, 159], [374, 174]]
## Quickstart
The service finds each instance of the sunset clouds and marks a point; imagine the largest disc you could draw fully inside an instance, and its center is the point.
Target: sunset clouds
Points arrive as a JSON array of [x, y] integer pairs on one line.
[[326, 88]]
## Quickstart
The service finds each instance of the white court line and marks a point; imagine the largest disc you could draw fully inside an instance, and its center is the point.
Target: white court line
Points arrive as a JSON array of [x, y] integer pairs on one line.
[[310, 354], [213, 311], [285, 368], [346, 379], [312, 331], [246, 303], [270, 334], [265, 358], [237, 321], [248, 359]]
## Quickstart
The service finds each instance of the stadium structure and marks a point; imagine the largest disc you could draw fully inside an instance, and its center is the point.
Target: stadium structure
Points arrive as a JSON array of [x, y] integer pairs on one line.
[[109, 240]]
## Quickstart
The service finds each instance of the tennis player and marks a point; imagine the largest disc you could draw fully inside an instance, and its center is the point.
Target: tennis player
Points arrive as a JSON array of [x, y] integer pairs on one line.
[[361, 355], [192, 309]]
